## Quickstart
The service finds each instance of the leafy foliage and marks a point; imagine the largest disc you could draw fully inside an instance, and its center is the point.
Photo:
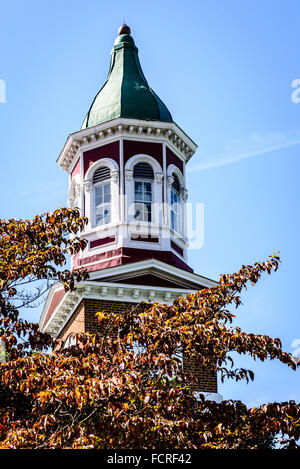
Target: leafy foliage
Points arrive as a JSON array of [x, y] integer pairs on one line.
[[125, 386], [34, 253]]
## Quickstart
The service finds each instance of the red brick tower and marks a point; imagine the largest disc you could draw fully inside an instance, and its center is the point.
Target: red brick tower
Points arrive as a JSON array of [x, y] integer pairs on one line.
[[127, 174]]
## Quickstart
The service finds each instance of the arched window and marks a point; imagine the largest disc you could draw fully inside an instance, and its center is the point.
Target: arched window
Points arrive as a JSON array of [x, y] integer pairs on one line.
[[175, 205], [102, 196], [143, 191]]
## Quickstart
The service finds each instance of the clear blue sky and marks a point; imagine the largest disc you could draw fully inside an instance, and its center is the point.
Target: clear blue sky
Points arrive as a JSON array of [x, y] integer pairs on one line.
[[224, 69]]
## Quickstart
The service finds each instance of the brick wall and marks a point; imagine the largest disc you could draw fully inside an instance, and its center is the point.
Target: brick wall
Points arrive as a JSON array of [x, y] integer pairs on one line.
[[206, 375], [94, 306], [85, 320], [76, 323]]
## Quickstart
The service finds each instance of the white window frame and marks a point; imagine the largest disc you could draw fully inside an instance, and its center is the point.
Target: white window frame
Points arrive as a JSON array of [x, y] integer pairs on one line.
[[144, 209], [104, 205], [156, 189], [176, 209], [90, 193], [171, 170]]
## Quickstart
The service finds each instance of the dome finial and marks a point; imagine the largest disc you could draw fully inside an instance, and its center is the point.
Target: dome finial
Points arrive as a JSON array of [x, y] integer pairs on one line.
[[124, 29]]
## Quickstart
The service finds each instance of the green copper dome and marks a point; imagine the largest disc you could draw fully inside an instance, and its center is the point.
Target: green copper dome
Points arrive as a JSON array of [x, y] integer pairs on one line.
[[126, 92]]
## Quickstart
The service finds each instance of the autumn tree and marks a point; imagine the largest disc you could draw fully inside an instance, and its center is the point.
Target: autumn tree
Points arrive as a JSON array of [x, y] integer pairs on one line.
[[33, 256], [127, 389]]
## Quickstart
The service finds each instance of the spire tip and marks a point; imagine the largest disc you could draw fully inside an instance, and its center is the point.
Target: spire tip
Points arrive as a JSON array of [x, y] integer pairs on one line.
[[124, 29]]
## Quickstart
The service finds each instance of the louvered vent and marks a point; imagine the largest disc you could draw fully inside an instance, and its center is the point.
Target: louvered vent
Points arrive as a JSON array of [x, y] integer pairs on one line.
[[176, 183], [101, 174], [143, 171]]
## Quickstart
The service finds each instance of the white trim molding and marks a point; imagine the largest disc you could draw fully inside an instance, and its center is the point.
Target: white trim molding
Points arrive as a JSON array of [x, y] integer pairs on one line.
[[165, 132], [160, 269]]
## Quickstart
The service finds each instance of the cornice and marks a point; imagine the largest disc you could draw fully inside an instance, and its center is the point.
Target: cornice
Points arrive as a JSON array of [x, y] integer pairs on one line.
[[85, 139], [54, 288], [111, 289], [110, 292]]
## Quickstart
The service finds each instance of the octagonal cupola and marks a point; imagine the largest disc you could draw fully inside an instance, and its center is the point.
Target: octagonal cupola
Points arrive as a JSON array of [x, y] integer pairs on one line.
[[127, 171]]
